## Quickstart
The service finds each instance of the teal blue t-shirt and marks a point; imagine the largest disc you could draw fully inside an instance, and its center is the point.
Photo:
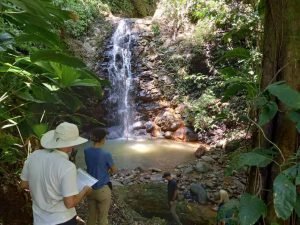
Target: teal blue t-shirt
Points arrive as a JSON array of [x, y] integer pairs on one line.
[[98, 162]]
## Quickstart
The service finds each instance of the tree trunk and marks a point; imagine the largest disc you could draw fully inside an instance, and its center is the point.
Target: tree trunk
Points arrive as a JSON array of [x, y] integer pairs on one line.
[[281, 62]]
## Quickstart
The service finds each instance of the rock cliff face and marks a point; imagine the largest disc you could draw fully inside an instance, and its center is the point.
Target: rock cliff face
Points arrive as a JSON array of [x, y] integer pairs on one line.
[[155, 92], [157, 113]]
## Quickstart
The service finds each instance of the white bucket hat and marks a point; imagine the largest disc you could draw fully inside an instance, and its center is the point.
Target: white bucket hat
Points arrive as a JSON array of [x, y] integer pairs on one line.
[[65, 135]]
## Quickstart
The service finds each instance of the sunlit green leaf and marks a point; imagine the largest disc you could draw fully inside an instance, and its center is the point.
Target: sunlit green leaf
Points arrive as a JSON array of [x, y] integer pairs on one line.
[[55, 56], [228, 72], [40, 129], [286, 94], [85, 82], [240, 53]]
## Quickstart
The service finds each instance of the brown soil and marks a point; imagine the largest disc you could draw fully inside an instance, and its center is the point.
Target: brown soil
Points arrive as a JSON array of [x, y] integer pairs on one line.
[[15, 207]]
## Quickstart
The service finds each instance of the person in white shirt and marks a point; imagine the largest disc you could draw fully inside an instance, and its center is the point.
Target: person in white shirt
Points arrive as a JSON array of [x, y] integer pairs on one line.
[[52, 178]]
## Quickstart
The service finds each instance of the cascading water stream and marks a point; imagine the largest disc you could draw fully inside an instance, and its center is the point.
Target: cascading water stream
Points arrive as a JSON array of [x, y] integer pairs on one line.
[[120, 76]]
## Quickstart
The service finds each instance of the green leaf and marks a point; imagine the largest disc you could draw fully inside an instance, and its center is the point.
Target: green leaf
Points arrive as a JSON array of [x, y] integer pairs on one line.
[[260, 101], [228, 72], [85, 83], [291, 171], [5, 37], [55, 56], [240, 53], [67, 75], [71, 101], [25, 95], [295, 117], [298, 127], [251, 209], [286, 94], [40, 129], [232, 89], [36, 38], [267, 113], [43, 94], [284, 196], [297, 206], [297, 179], [257, 157]]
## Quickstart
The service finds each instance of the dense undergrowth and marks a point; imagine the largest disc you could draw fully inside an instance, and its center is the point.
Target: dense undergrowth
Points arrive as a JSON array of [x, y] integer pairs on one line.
[[218, 79], [218, 67], [229, 35], [41, 84]]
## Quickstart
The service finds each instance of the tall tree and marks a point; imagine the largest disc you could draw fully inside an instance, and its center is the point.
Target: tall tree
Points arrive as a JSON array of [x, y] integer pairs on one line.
[[281, 62]]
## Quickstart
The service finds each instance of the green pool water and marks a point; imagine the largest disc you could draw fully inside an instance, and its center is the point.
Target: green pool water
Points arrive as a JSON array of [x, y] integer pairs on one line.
[[145, 153]]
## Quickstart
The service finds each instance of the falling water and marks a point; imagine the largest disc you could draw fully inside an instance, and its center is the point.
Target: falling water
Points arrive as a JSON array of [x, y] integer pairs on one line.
[[120, 76]]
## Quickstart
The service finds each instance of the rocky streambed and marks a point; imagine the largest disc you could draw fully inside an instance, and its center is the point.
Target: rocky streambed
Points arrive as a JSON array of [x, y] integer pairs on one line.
[[140, 195]]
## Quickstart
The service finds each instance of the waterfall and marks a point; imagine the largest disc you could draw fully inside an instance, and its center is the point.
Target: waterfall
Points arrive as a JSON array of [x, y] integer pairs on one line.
[[120, 76]]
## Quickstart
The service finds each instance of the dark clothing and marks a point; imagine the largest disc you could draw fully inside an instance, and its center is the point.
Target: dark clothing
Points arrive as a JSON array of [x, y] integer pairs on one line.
[[172, 187], [98, 162], [226, 215], [70, 222]]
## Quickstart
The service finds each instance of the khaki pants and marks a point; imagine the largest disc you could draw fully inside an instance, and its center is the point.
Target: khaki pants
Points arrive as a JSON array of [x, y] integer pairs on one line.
[[173, 212], [99, 203]]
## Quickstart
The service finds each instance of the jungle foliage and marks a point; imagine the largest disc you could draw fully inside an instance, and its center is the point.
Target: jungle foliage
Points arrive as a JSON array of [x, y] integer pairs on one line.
[[232, 32], [225, 63], [132, 8], [84, 14], [40, 82]]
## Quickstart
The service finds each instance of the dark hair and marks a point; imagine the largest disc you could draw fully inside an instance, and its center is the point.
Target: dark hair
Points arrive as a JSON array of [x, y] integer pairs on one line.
[[166, 174], [98, 134]]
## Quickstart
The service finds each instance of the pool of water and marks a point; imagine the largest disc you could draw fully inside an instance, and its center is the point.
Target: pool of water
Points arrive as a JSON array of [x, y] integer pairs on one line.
[[145, 153]]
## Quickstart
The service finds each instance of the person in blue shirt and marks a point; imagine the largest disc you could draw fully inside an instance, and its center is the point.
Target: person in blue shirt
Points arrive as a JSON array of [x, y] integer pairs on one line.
[[99, 165]]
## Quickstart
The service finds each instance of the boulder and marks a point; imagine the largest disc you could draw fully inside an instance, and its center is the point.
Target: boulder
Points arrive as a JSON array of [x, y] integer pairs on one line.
[[149, 126], [167, 120], [185, 134], [202, 167], [138, 125], [149, 95], [188, 170], [149, 107], [207, 159], [156, 131], [151, 200], [199, 193], [168, 135], [201, 150]]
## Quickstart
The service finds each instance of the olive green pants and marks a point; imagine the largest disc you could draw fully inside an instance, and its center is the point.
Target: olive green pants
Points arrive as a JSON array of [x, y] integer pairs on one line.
[[98, 203], [173, 212]]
